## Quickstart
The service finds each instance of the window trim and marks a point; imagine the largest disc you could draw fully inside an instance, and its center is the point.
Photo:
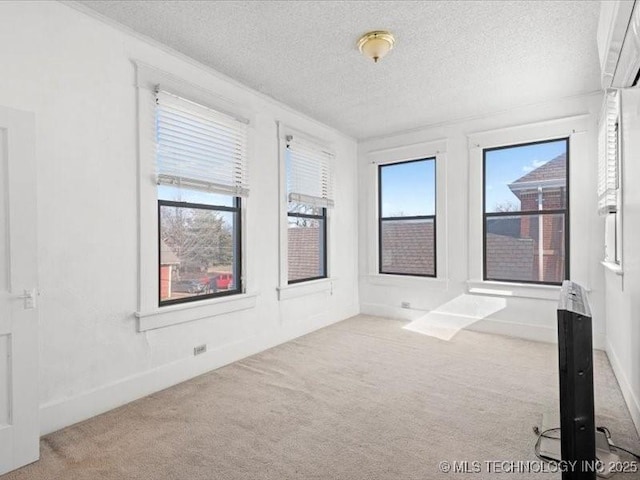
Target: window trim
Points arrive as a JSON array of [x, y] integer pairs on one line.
[[237, 211], [149, 314], [580, 128], [514, 290], [521, 213], [322, 218], [191, 311], [433, 217], [405, 148], [286, 290]]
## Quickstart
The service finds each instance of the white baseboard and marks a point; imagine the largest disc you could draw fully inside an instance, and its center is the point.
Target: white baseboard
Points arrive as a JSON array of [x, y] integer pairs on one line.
[[63, 413], [60, 414], [627, 392], [380, 310], [538, 333]]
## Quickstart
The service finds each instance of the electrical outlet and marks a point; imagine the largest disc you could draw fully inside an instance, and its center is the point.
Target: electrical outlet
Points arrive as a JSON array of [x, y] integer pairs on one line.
[[199, 350], [405, 305]]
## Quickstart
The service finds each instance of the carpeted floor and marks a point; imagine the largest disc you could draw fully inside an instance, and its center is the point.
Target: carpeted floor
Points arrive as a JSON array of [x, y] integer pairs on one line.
[[363, 399]]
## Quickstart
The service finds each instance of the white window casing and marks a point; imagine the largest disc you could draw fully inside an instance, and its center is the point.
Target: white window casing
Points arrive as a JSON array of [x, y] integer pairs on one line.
[[578, 129], [437, 149], [150, 81], [306, 176], [608, 161]]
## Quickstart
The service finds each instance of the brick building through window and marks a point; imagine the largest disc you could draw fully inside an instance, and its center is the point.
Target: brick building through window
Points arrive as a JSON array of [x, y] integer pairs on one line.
[[529, 243]]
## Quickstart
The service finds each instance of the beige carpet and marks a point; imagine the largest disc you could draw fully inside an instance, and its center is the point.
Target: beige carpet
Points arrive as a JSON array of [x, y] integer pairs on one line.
[[363, 399]]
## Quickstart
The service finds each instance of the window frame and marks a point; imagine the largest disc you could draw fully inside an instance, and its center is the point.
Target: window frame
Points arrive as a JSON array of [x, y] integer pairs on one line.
[[433, 217], [237, 247], [323, 250], [539, 213]]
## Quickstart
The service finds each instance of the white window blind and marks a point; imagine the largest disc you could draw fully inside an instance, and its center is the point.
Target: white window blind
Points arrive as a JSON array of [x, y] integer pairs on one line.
[[309, 173], [608, 163], [200, 148]]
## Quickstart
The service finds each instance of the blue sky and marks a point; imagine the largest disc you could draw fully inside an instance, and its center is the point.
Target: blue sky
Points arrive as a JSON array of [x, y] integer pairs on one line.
[[508, 164], [408, 189]]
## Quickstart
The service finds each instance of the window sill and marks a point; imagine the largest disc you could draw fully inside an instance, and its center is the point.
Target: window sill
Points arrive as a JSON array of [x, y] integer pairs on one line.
[[303, 289], [613, 267], [188, 312], [518, 290], [390, 280]]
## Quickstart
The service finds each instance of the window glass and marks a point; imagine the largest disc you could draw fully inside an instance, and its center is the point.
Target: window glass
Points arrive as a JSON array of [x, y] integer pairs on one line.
[[408, 188], [612, 240], [199, 251], [306, 244], [526, 248], [177, 194], [526, 213], [408, 247], [301, 208], [407, 225], [516, 177]]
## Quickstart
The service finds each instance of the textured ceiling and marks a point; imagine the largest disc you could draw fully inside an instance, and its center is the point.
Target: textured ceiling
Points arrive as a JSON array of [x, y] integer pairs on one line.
[[452, 60]]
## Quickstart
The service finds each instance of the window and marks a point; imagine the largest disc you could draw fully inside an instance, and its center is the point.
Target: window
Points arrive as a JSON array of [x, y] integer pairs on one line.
[[526, 212], [201, 177], [309, 180], [609, 176], [407, 220]]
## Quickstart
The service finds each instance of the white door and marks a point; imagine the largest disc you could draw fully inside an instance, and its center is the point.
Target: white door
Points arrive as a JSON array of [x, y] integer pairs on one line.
[[19, 425]]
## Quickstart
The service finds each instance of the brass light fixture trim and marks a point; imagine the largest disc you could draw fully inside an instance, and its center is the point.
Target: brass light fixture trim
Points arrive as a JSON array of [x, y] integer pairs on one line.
[[376, 44]]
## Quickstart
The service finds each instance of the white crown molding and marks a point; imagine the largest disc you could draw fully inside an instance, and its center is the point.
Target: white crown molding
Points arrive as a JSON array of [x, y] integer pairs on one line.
[[195, 63], [494, 113]]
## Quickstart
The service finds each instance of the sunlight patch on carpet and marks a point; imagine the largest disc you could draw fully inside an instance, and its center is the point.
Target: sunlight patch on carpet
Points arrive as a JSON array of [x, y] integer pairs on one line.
[[451, 317]]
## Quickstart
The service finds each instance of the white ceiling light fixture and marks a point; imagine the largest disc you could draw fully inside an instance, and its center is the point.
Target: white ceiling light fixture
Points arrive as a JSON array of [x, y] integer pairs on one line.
[[375, 45]]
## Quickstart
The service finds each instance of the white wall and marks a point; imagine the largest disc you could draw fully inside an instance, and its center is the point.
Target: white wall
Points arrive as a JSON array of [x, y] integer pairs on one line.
[[76, 74], [461, 210], [623, 292]]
